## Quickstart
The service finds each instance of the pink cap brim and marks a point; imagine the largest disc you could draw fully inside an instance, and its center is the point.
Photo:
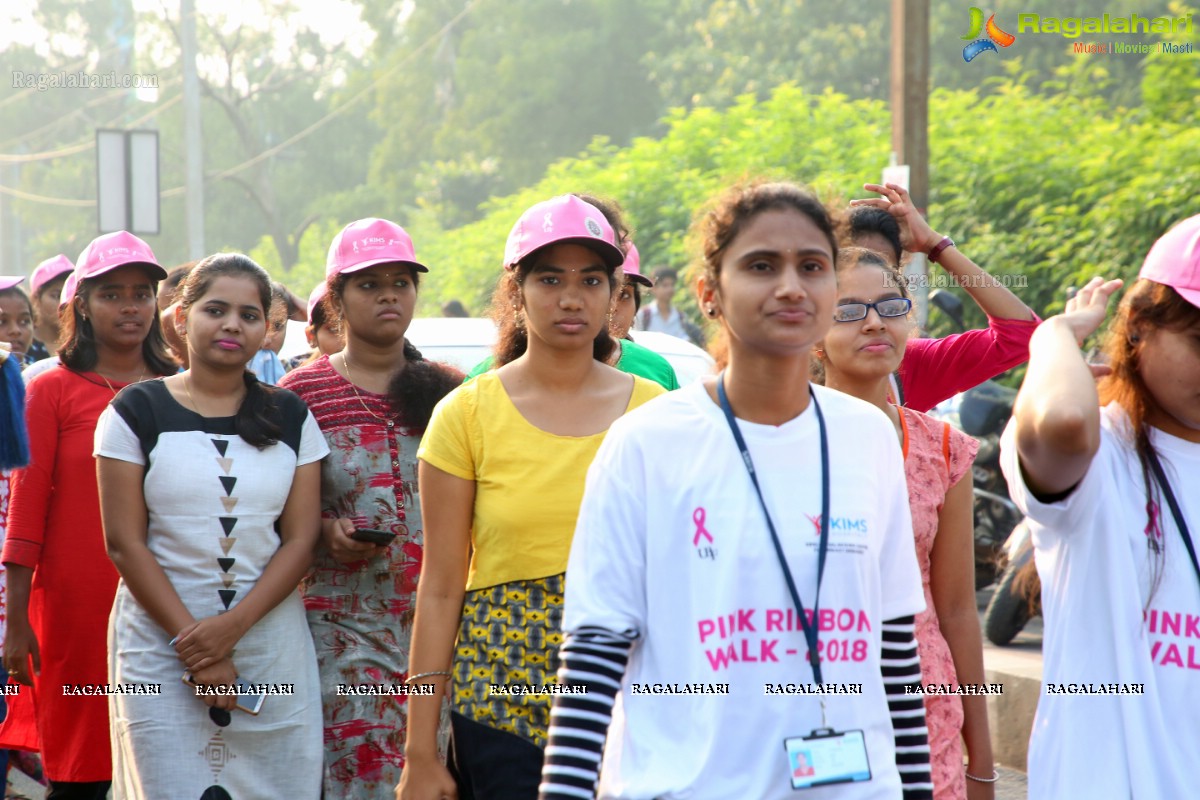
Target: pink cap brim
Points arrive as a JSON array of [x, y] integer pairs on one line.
[[9, 281], [642, 279], [156, 272], [376, 262]]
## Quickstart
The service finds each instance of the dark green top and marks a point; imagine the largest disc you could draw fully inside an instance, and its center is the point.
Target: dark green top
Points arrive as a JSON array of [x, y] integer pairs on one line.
[[635, 359]]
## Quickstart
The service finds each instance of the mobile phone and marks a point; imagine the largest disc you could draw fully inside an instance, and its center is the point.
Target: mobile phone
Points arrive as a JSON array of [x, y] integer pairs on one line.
[[250, 703], [372, 536]]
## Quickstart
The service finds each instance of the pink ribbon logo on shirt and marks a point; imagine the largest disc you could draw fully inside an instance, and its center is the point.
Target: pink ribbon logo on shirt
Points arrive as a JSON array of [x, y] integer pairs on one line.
[[698, 518]]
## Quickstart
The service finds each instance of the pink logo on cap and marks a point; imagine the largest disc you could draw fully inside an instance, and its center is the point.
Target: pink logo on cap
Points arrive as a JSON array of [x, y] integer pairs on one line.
[[562, 219], [112, 250], [48, 270], [368, 242], [1174, 260]]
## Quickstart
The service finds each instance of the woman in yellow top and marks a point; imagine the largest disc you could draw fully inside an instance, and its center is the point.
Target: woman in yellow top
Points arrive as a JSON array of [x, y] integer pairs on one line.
[[502, 470]]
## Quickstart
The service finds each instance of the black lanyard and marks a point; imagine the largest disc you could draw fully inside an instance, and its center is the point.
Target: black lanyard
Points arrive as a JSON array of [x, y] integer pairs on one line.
[[1175, 511], [810, 629]]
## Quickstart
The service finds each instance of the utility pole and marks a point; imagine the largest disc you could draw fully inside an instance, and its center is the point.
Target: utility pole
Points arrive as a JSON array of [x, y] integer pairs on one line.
[[193, 142], [910, 120]]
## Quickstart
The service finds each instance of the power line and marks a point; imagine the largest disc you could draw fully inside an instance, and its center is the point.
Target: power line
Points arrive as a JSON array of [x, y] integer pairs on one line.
[[59, 120], [58, 201], [335, 112], [24, 158]]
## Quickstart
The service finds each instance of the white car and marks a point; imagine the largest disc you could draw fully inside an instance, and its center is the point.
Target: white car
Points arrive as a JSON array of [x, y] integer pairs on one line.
[[464, 342]]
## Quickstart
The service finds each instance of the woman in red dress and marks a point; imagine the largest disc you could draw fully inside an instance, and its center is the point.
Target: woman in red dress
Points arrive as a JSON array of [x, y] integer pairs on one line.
[[61, 583]]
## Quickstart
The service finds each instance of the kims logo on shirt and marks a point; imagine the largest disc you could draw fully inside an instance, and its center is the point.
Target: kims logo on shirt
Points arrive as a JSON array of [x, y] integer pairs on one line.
[[840, 527]]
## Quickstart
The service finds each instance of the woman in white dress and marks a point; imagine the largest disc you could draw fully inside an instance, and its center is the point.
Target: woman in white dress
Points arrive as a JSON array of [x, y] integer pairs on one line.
[[209, 490]]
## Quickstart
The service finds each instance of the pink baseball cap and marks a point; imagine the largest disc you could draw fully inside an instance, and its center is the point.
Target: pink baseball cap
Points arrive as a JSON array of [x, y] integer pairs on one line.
[[48, 270], [1174, 260], [315, 297], [632, 266], [112, 250], [9, 281], [562, 219], [68, 290], [368, 242]]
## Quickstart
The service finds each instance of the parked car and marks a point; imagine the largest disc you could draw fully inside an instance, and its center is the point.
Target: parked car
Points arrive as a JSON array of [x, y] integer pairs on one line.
[[464, 342]]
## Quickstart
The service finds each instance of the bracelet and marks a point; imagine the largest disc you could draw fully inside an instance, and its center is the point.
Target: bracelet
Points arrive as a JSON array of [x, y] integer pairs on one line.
[[995, 777], [408, 681], [939, 247]]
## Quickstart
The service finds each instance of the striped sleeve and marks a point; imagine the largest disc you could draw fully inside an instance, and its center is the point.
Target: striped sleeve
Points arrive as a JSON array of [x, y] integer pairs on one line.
[[592, 661], [901, 667]]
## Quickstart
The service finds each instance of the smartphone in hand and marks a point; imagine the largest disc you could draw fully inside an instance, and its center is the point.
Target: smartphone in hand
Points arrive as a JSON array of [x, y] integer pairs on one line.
[[372, 536], [247, 701]]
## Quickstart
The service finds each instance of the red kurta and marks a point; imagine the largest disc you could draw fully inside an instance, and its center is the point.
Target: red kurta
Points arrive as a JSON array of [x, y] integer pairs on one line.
[[54, 527]]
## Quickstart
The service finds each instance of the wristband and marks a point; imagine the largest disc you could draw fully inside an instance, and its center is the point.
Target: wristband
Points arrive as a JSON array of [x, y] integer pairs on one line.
[[995, 777], [939, 247]]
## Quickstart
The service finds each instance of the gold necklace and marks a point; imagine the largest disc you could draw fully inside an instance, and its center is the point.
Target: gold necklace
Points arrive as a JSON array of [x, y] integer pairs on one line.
[[187, 387], [350, 380], [140, 378]]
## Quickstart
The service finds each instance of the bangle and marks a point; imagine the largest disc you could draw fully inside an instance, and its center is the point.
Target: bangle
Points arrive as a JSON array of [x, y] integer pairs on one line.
[[420, 675], [939, 247], [995, 777]]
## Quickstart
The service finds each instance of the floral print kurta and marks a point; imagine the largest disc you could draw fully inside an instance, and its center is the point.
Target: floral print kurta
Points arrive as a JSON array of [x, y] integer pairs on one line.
[[361, 613]]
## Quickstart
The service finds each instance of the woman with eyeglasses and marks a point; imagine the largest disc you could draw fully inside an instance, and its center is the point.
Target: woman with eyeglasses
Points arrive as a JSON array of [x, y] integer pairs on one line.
[[934, 370], [857, 356]]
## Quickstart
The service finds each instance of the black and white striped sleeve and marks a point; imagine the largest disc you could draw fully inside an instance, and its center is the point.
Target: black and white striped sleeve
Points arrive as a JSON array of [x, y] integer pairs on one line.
[[901, 667], [592, 663]]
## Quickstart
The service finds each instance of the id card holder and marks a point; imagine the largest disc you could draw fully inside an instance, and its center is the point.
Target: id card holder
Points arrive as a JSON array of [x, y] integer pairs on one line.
[[826, 757]]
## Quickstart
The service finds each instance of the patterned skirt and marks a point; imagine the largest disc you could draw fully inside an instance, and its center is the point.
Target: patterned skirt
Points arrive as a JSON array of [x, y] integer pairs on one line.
[[509, 637]]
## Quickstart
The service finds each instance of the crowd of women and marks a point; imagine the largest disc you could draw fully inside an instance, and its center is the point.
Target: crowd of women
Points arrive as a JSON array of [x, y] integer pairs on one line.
[[378, 580]]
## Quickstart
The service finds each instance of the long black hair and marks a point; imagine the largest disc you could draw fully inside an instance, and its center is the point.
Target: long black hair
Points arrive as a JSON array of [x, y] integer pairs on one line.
[[416, 388], [256, 418], [77, 338]]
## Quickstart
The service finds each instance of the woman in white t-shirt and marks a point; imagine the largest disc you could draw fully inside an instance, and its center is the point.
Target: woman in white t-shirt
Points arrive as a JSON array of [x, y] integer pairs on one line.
[[681, 626], [1110, 480]]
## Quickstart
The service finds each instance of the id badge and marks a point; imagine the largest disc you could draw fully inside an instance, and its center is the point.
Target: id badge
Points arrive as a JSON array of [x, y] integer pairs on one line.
[[827, 756]]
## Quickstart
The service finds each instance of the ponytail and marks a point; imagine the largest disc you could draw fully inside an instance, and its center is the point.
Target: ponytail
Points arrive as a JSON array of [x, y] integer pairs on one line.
[[419, 386], [254, 421]]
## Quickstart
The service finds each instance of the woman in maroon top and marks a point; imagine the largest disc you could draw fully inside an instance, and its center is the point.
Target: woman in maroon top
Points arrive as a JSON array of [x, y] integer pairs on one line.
[[60, 582]]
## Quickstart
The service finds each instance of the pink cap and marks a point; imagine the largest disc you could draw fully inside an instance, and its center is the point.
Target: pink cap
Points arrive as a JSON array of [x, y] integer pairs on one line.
[[632, 266], [68, 290], [9, 281], [562, 219], [1174, 260], [368, 242], [315, 297], [48, 270], [112, 250]]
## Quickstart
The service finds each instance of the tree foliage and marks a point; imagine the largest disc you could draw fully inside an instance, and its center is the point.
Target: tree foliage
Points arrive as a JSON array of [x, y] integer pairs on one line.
[[1044, 187]]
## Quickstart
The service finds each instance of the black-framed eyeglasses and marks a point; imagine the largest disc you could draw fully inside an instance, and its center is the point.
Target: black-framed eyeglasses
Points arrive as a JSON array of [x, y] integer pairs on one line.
[[853, 312]]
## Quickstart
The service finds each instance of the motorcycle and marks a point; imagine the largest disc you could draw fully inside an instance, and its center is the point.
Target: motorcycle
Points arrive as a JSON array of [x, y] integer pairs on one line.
[[1018, 595], [982, 412]]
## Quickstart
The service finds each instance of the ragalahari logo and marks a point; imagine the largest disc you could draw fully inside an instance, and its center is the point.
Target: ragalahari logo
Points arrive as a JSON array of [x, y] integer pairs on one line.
[[994, 37]]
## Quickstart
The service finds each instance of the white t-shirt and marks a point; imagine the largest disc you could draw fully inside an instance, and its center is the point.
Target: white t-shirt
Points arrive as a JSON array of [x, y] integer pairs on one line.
[[1092, 556], [671, 543]]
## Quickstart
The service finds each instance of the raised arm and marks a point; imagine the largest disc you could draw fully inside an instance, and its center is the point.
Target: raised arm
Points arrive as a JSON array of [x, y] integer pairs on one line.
[[916, 236], [447, 505], [1057, 411]]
